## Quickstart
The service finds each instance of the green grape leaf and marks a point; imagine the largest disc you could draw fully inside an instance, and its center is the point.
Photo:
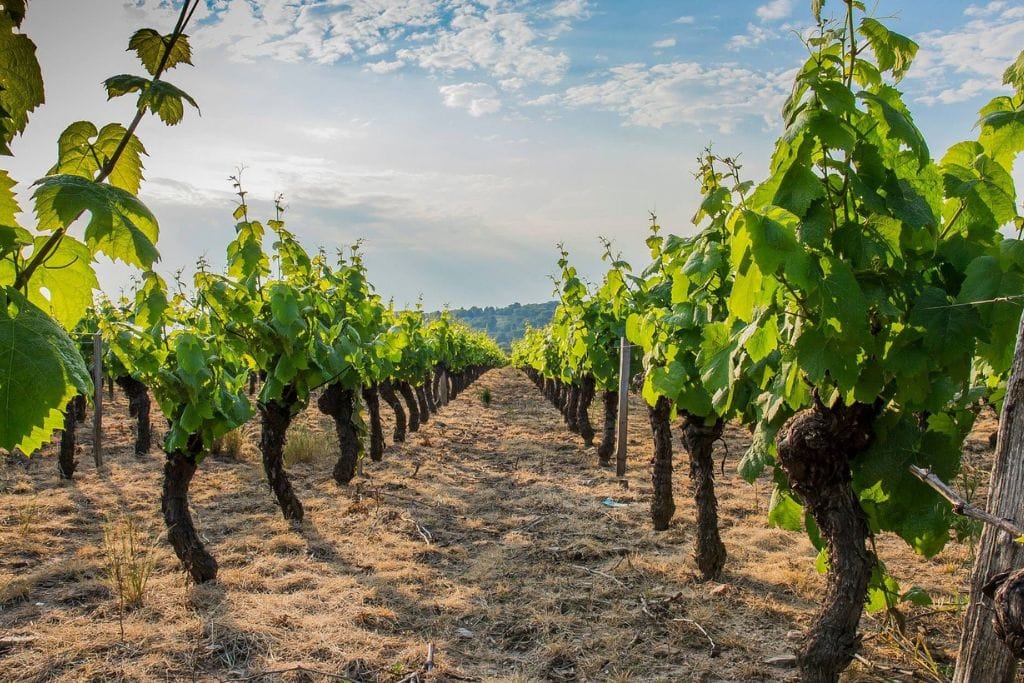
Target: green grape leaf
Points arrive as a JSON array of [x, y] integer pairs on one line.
[[784, 512], [883, 594], [917, 596], [897, 121], [1002, 131], [84, 151], [821, 357], [800, 187], [942, 321], [21, 82], [41, 371], [123, 84], [150, 47], [160, 97], [823, 125], [773, 242], [893, 51], [15, 9], [13, 238], [763, 340], [1014, 74], [759, 455], [843, 304], [894, 499], [120, 225], [8, 203], [63, 285], [165, 100]]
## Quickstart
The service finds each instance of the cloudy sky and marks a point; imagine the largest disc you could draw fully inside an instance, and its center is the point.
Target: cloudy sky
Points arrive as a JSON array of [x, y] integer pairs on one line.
[[462, 139]]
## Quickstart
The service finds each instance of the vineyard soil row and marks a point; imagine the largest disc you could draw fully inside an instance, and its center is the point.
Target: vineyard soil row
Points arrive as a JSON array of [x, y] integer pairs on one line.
[[484, 534]]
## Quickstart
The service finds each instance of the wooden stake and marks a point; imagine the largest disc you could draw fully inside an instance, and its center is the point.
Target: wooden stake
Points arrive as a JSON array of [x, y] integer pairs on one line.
[[622, 424], [97, 413], [983, 657]]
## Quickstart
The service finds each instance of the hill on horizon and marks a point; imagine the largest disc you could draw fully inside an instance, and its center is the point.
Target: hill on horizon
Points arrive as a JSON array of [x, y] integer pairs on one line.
[[505, 324]]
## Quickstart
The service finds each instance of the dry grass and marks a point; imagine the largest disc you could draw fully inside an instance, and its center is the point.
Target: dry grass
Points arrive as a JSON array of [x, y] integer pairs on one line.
[[304, 445], [484, 535]]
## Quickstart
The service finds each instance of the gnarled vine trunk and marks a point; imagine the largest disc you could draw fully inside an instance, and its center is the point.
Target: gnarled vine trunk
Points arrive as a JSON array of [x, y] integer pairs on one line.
[[138, 407], [572, 408], [179, 469], [421, 399], [387, 392], [428, 393], [410, 401], [73, 414], [376, 430], [436, 385], [662, 504], [611, 414], [586, 396], [337, 402], [275, 417], [699, 438], [815, 447]]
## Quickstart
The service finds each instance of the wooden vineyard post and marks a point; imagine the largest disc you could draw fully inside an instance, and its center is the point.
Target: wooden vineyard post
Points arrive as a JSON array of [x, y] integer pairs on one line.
[[97, 413], [983, 657], [444, 387], [623, 417]]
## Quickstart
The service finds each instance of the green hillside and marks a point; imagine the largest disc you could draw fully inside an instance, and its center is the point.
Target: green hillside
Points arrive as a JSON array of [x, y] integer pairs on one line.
[[506, 324]]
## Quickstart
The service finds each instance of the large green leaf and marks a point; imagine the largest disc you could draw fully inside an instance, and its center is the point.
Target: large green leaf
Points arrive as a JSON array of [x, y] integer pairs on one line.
[[8, 203], [15, 9], [63, 285], [21, 82], [166, 101], [120, 225], [84, 151], [894, 52], [843, 305], [1014, 74], [40, 371], [895, 118], [150, 47], [942, 321]]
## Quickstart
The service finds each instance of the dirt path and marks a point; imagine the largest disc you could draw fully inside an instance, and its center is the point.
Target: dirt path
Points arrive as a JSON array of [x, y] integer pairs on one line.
[[484, 535]]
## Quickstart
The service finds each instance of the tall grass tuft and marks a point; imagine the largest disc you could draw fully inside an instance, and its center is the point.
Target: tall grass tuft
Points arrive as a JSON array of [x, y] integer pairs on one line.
[[129, 557], [302, 445]]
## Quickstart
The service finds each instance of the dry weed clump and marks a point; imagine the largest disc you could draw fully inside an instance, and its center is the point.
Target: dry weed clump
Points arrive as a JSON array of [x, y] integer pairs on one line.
[[230, 446], [129, 558], [304, 445]]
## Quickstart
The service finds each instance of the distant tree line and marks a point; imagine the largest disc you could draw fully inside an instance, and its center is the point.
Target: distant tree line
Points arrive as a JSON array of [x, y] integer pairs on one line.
[[506, 324]]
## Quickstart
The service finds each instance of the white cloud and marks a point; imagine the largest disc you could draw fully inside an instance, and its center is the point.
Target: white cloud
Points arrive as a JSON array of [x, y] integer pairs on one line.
[[384, 66], [986, 10], [968, 61], [503, 38], [502, 43], [681, 93], [775, 10], [755, 35], [663, 44], [543, 101], [685, 19], [571, 9], [476, 98]]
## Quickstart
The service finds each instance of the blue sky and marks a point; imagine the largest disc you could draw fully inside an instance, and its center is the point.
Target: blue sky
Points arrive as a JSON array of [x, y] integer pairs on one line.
[[463, 139]]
